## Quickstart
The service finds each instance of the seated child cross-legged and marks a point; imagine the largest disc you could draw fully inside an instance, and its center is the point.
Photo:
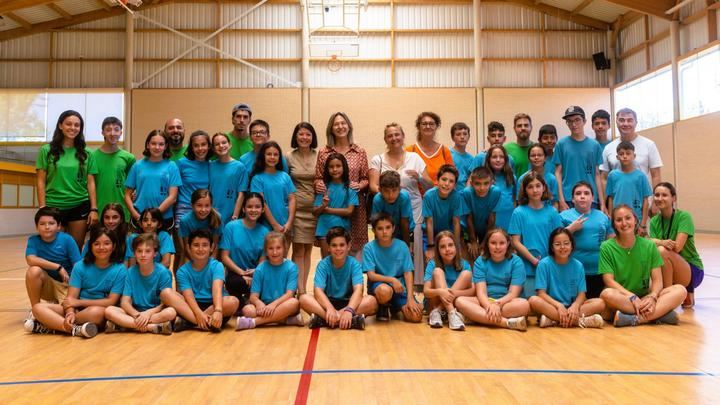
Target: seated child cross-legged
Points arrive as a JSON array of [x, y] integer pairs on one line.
[[499, 277], [338, 301], [390, 268], [204, 303], [560, 284], [146, 282], [272, 293], [447, 277]]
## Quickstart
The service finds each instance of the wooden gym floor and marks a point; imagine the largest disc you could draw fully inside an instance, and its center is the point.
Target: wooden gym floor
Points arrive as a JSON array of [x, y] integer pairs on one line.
[[386, 363]]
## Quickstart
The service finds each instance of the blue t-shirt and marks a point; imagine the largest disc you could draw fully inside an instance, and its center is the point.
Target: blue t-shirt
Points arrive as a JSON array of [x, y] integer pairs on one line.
[[563, 282], [96, 283], [443, 210], [227, 180], [628, 188], [506, 204], [594, 232], [499, 276], [534, 227], [151, 182], [164, 239], [462, 163], [579, 160], [451, 273], [338, 283], [62, 250], [145, 290], [401, 208], [479, 160], [244, 244], [340, 197], [551, 182], [248, 160], [189, 222], [550, 165], [195, 175], [270, 282], [480, 207], [276, 188], [391, 261], [201, 281]]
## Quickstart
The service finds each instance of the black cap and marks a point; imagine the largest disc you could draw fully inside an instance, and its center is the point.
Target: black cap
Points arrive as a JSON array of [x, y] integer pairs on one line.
[[241, 106], [574, 110]]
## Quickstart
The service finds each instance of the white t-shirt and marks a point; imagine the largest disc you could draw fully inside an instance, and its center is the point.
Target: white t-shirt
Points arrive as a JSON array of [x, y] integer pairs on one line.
[[412, 161], [646, 156]]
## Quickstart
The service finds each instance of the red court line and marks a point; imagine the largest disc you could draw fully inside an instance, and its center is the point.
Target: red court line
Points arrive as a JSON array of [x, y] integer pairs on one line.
[[304, 385]]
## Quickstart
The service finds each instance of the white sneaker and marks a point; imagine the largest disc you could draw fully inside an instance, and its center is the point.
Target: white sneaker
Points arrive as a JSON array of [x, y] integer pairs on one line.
[[592, 321], [435, 318], [519, 323], [33, 326], [30, 316], [296, 320], [455, 320], [86, 330], [546, 322]]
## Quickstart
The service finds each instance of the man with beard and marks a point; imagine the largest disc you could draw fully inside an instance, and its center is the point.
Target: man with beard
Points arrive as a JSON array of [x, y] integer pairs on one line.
[[175, 131], [518, 150], [240, 142]]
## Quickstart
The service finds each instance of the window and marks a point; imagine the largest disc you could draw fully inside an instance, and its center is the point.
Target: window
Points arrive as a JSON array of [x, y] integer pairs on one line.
[[650, 97], [700, 83]]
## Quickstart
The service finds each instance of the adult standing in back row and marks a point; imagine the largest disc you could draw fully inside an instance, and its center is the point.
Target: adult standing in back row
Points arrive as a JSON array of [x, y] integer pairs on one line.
[[432, 152], [240, 135], [518, 150]]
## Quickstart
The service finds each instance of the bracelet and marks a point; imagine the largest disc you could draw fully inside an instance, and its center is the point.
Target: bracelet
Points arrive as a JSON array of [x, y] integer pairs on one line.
[[59, 268], [348, 309], [93, 210], [218, 310]]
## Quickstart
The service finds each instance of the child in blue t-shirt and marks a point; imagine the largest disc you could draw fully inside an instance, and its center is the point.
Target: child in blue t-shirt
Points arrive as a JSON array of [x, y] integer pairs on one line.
[[537, 157], [389, 269], [499, 276], [396, 202], [151, 222], [338, 300], [628, 185], [96, 282], [480, 198], [50, 256], [442, 208], [531, 224], [272, 293], [498, 163], [204, 303], [560, 283], [146, 282], [447, 277], [228, 179], [276, 187], [202, 216], [336, 205], [460, 135]]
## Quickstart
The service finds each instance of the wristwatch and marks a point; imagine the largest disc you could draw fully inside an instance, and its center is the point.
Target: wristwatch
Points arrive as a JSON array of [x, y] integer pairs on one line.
[[633, 298]]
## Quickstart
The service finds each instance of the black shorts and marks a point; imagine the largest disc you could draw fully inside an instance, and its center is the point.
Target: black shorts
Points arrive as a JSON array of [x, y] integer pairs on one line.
[[77, 213], [207, 304], [338, 304], [595, 285]]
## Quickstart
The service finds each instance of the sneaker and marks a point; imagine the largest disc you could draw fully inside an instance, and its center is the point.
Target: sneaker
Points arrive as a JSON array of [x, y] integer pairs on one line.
[[545, 322], [671, 318], [86, 330], [592, 321], [181, 324], [31, 317], [295, 320], [455, 320], [164, 328], [358, 322], [444, 316], [34, 326], [519, 323], [383, 313], [623, 319], [435, 319], [316, 322], [244, 323], [111, 327]]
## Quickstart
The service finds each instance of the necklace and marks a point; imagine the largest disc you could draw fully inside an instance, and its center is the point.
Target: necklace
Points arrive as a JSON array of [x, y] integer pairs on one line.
[[666, 232]]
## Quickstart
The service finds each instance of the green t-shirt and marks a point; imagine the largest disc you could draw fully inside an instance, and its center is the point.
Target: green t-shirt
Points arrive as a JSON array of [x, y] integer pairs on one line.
[[681, 223], [631, 267], [65, 182], [519, 156], [180, 153], [113, 169], [239, 147]]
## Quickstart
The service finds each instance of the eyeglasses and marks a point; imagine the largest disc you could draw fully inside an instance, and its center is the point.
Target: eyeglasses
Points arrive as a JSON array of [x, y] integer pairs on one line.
[[428, 124], [254, 133], [561, 244]]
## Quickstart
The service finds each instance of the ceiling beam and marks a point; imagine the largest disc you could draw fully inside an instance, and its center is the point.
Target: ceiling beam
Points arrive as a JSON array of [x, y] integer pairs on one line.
[[559, 13], [25, 23], [12, 5], [627, 19], [580, 7], [656, 8], [103, 4], [54, 7]]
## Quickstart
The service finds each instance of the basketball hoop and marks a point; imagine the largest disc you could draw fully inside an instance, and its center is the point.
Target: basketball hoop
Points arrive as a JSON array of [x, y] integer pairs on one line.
[[124, 4], [334, 65]]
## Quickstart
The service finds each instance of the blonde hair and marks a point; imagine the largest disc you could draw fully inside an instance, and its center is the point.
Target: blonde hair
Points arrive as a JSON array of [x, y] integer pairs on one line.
[[272, 236]]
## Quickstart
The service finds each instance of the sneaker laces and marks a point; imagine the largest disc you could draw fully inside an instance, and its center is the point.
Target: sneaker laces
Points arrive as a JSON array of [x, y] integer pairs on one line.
[[581, 321]]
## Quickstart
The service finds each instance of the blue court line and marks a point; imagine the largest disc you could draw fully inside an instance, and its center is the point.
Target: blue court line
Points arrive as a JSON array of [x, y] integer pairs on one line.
[[366, 371]]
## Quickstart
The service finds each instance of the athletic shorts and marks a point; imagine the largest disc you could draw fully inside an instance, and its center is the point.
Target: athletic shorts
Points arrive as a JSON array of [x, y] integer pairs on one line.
[[53, 290], [338, 304], [397, 301], [696, 277], [595, 285], [77, 213], [207, 304]]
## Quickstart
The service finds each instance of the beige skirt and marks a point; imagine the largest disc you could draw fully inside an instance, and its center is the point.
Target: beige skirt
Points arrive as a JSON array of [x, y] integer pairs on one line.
[[304, 227]]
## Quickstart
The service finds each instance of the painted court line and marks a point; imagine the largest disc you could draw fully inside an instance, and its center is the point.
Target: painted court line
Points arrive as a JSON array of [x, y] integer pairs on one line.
[[304, 386], [370, 371]]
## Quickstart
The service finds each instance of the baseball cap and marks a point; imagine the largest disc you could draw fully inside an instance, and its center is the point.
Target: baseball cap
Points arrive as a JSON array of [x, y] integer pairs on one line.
[[242, 106], [574, 110]]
